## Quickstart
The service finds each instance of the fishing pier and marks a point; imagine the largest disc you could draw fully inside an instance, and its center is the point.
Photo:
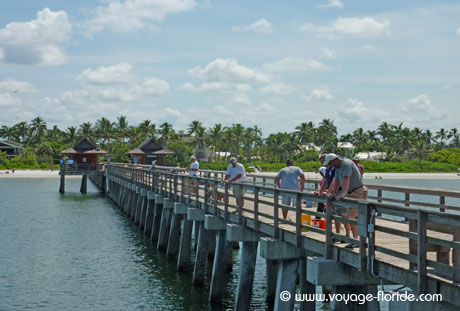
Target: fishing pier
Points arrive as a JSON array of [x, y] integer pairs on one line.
[[420, 252]]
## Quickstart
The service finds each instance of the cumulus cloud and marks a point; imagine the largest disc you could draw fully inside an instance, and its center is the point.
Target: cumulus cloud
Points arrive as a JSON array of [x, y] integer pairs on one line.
[[7, 100], [327, 53], [353, 110], [278, 89], [319, 94], [262, 25], [37, 42], [227, 69], [353, 27], [105, 75], [295, 64], [330, 4], [220, 86], [420, 108], [13, 85], [129, 15]]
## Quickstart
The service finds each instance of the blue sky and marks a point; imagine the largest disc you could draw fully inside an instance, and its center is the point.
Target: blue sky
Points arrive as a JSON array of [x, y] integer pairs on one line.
[[273, 64]]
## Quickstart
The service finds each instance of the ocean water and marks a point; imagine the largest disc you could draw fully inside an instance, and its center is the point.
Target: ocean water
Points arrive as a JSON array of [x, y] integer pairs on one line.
[[79, 252]]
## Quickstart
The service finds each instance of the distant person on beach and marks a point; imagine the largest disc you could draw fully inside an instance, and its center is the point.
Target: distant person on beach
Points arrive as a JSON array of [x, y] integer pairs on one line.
[[193, 171], [236, 174], [360, 167], [136, 160], [61, 163], [153, 165], [349, 178], [288, 178]]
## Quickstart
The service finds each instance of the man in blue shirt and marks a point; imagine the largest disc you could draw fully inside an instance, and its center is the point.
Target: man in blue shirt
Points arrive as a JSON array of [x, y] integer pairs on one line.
[[288, 178]]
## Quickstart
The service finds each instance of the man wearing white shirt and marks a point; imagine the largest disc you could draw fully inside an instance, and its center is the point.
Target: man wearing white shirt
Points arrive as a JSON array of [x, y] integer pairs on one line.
[[236, 174], [193, 171]]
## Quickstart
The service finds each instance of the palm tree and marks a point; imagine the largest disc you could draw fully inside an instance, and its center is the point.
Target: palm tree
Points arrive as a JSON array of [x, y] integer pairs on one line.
[[38, 128], [420, 150], [104, 130], [7, 132], [122, 129], [454, 136], [305, 132], [200, 140], [71, 134], [215, 137], [442, 136], [166, 131], [86, 130], [386, 132], [22, 130], [360, 138], [194, 126]]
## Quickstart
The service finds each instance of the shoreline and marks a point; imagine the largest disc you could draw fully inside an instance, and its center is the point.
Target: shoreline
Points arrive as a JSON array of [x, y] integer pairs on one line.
[[308, 175]]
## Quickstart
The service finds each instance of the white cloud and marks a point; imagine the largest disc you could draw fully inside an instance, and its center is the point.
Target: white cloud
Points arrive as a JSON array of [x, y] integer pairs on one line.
[[105, 75], [327, 53], [331, 4], [353, 110], [458, 31], [224, 87], [227, 69], [278, 88], [295, 64], [262, 25], [155, 86], [129, 15], [420, 108], [368, 48], [7, 100], [36, 42], [353, 27], [319, 94], [13, 85]]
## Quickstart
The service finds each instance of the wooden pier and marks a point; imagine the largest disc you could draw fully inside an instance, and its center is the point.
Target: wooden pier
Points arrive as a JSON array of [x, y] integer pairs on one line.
[[421, 253]]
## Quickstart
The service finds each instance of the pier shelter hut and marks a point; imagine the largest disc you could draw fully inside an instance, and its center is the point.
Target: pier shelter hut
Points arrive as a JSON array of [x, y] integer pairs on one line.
[[147, 152], [85, 155]]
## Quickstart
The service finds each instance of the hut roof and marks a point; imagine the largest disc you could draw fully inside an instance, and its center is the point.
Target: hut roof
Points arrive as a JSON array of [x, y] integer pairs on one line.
[[150, 146], [84, 146], [10, 143]]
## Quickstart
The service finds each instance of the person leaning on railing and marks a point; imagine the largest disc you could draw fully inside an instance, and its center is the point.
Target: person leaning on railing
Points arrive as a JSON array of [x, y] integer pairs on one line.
[[347, 176], [236, 174]]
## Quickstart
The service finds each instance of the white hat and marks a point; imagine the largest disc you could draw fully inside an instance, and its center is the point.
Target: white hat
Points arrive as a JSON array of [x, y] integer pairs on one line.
[[322, 170], [330, 157]]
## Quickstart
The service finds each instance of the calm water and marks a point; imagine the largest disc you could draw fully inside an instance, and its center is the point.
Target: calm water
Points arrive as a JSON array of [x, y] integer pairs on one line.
[[73, 251], [78, 252]]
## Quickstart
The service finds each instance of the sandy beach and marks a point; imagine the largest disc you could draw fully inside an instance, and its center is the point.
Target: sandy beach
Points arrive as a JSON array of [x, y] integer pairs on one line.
[[29, 174]]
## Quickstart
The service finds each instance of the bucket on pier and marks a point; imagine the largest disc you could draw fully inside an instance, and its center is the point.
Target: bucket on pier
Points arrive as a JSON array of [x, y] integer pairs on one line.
[[305, 219], [319, 223]]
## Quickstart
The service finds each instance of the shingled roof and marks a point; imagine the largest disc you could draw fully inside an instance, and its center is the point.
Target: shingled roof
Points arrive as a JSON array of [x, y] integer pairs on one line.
[[84, 146], [150, 146]]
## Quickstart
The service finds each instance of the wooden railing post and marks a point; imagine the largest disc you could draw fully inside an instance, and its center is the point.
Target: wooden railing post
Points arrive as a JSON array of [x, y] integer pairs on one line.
[[298, 218], [442, 202], [329, 207], [276, 214], [256, 208], [421, 252], [227, 216]]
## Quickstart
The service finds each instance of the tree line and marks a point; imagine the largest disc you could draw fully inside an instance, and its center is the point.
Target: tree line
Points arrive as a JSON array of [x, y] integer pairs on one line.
[[303, 144]]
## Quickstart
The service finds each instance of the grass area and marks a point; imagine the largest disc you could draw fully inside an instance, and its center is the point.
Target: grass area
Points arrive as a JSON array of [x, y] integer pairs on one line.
[[412, 166]]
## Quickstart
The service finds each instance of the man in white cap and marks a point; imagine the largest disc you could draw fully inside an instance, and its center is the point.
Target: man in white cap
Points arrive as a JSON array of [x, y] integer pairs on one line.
[[236, 174], [349, 178], [193, 171]]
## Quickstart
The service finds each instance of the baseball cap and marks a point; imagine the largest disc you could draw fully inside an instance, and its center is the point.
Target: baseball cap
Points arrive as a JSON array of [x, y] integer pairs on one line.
[[232, 160], [330, 157]]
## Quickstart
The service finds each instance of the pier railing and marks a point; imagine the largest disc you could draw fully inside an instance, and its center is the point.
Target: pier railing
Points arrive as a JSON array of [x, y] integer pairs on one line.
[[423, 255]]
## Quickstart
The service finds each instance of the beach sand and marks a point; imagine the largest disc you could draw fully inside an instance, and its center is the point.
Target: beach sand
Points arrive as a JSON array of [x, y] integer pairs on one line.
[[29, 174]]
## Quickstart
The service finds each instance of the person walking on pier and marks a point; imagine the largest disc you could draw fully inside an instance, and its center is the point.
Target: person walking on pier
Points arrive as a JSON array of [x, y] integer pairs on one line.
[[236, 174], [288, 178], [349, 178], [359, 165], [193, 171]]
